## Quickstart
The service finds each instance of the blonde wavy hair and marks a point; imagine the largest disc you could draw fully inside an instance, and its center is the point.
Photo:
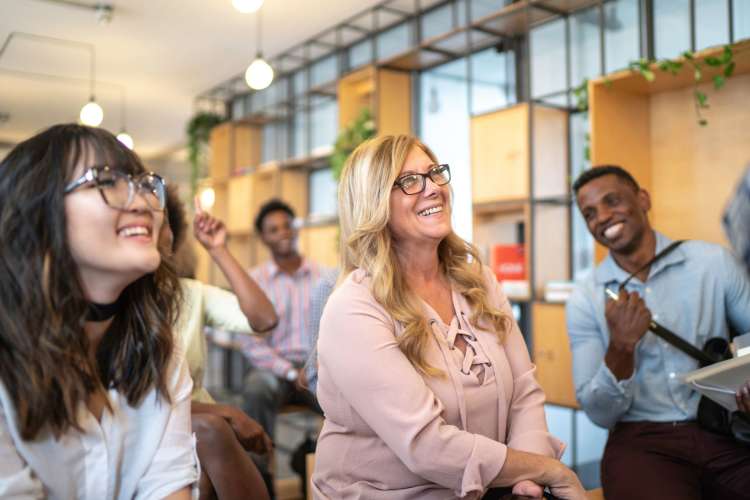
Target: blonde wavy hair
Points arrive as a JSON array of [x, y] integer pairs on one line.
[[366, 243]]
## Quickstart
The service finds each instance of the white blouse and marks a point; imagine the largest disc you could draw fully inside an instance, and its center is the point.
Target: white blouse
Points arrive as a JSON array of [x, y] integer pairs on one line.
[[143, 452]]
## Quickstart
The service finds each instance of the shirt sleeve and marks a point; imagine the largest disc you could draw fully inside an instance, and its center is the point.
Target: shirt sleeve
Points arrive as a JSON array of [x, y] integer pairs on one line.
[[318, 298], [17, 480], [601, 395], [263, 356], [736, 293], [222, 310], [175, 464], [359, 352], [527, 424], [255, 348]]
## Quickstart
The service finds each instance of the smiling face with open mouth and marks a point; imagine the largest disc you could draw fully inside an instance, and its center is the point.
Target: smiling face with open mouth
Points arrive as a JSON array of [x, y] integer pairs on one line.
[[615, 212], [422, 217], [111, 246]]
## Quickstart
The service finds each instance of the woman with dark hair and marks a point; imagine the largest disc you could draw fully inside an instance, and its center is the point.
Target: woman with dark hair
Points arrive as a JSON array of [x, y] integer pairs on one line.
[[94, 399]]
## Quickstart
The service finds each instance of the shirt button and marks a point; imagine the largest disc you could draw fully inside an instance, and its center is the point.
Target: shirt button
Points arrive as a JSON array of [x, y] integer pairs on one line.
[[648, 290], [655, 316], [672, 374]]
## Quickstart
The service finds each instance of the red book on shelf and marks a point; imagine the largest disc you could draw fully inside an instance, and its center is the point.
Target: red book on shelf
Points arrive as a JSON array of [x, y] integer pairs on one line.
[[508, 262]]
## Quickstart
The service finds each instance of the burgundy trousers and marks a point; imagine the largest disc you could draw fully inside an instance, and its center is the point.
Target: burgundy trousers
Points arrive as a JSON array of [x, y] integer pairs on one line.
[[673, 461]]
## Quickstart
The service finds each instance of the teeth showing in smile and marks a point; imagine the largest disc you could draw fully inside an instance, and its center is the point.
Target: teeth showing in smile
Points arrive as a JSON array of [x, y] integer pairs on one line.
[[613, 230], [134, 231], [430, 211]]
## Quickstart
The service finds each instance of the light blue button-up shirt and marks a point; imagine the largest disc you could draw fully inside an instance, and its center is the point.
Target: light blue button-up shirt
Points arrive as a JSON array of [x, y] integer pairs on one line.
[[694, 291]]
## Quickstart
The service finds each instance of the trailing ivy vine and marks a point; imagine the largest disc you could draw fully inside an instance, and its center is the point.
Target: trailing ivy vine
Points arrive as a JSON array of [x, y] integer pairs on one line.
[[198, 131], [724, 63], [361, 129]]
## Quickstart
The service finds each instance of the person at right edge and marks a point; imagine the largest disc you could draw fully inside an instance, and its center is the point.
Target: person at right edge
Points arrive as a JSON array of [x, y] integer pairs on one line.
[[628, 380]]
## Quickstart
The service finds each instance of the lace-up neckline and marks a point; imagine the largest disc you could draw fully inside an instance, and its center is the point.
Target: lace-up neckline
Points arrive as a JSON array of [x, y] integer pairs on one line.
[[474, 361]]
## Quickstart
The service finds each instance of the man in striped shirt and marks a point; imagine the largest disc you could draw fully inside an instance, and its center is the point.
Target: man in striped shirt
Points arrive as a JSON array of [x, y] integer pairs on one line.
[[279, 355]]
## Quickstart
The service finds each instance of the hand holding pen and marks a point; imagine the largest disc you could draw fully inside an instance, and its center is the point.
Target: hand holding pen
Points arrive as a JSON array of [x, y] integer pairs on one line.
[[656, 328], [627, 316]]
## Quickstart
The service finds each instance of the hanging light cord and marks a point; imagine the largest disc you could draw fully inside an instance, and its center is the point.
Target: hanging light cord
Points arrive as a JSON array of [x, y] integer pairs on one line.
[[123, 116], [260, 33]]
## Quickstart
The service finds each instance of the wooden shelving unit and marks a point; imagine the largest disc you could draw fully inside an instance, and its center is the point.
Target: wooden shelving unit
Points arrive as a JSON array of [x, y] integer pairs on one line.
[[320, 242], [552, 355], [386, 92], [651, 130], [234, 146], [506, 195]]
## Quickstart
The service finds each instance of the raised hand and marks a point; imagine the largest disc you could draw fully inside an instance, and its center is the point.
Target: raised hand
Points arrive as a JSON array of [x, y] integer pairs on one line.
[[208, 230]]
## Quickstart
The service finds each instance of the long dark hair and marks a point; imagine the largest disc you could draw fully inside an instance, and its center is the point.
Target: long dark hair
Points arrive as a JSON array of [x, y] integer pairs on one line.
[[44, 360]]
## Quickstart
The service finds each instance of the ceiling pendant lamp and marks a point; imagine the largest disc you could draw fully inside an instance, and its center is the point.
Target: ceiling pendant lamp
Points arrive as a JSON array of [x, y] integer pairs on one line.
[[91, 113], [259, 74], [125, 138]]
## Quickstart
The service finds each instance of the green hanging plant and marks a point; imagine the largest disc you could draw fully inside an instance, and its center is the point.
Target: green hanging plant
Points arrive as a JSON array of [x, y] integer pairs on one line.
[[644, 67], [725, 63], [198, 131], [361, 129]]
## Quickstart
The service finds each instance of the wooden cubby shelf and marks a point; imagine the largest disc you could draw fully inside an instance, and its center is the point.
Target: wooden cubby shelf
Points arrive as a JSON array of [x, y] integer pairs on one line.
[[506, 196], [651, 130]]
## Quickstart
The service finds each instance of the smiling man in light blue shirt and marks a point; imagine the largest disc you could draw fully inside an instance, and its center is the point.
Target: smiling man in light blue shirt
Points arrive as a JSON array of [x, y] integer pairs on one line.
[[626, 378]]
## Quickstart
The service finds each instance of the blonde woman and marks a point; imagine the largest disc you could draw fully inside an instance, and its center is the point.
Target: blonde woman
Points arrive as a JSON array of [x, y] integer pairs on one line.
[[424, 377]]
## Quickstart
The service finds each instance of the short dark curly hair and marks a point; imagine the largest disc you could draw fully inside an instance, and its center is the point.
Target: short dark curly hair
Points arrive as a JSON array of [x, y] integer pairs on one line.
[[176, 217], [268, 207], [601, 170]]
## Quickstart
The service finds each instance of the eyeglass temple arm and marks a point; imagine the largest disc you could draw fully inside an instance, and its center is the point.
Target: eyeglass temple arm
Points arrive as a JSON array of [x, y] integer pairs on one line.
[[87, 177]]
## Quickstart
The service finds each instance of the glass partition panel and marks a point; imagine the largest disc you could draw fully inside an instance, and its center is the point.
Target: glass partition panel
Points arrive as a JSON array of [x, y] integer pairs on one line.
[[711, 23], [493, 80], [548, 58], [621, 34], [393, 41], [671, 27], [323, 197]]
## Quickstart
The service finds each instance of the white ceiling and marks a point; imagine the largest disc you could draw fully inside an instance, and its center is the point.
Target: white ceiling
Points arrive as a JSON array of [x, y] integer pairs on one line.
[[163, 52]]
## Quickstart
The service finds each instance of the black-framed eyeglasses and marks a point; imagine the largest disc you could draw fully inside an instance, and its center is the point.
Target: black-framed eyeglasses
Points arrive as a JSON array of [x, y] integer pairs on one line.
[[118, 189], [415, 183]]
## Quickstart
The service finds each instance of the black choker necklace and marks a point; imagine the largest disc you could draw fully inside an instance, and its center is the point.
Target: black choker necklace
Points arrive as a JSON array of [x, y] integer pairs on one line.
[[102, 312]]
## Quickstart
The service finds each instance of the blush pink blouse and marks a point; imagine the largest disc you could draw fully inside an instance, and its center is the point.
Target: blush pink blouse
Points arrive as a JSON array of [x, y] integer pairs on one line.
[[393, 433]]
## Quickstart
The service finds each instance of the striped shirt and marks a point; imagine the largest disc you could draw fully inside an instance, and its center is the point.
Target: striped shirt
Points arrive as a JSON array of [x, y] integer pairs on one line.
[[289, 344]]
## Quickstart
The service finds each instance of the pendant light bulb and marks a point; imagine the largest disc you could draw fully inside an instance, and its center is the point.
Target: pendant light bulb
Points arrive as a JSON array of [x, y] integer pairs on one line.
[[259, 74], [207, 198], [92, 114], [125, 138], [247, 6]]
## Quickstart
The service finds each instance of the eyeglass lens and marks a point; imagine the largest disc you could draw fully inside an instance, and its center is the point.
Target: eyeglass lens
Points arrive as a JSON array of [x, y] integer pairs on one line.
[[119, 189], [415, 183]]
